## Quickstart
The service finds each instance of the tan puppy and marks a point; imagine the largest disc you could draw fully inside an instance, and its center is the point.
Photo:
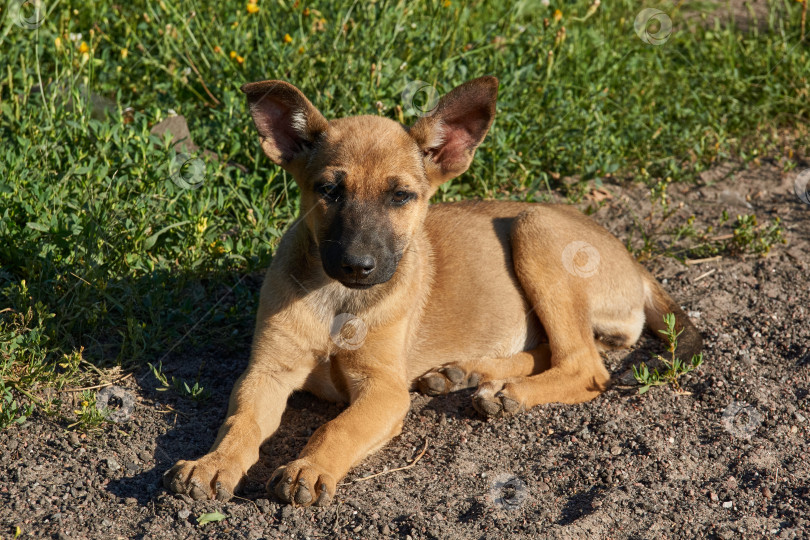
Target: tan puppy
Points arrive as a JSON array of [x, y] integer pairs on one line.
[[373, 292]]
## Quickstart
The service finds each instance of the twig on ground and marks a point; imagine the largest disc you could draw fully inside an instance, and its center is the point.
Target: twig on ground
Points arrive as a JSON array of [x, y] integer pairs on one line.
[[690, 262], [409, 466], [100, 385], [705, 274]]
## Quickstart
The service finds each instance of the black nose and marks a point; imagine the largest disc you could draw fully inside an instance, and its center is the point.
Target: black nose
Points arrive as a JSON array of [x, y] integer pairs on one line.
[[357, 266]]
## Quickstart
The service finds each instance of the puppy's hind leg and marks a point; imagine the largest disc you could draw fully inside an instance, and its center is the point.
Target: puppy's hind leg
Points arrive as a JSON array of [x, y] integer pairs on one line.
[[561, 299]]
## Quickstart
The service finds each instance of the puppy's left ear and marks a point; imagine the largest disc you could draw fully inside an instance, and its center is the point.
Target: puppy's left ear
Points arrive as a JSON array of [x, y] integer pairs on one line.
[[287, 122], [451, 133]]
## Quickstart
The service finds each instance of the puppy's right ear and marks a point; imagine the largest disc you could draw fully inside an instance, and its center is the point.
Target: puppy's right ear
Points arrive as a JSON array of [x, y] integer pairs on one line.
[[287, 122]]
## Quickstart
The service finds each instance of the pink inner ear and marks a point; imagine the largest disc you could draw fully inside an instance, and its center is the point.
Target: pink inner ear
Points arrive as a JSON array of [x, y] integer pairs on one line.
[[274, 120], [460, 135], [453, 151]]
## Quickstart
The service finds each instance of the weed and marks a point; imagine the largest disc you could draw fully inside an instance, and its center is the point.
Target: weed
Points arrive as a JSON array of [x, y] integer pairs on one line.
[[89, 416], [195, 391], [686, 240], [675, 367]]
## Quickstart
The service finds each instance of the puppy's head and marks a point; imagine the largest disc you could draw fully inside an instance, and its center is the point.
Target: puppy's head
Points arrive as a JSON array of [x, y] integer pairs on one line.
[[365, 181]]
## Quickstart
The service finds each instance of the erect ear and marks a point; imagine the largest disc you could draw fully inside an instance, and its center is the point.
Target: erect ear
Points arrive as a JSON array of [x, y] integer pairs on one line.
[[287, 122], [451, 133]]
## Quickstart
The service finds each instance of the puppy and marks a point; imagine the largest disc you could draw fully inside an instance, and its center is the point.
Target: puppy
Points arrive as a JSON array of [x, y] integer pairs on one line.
[[374, 292]]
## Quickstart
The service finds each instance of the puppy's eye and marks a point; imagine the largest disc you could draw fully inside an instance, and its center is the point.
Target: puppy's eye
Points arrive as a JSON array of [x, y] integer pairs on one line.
[[401, 197], [330, 192]]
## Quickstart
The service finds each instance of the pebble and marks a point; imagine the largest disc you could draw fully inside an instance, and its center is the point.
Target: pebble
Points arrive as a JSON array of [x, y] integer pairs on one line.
[[130, 501], [73, 438], [184, 513], [713, 496], [766, 492], [728, 504], [616, 450], [112, 464], [286, 512]]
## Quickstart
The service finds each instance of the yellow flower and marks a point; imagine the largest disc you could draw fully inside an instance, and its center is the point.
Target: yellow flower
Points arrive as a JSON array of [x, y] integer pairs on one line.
[[447, 3], [252, 8], [124, 53], [301, 50], [233, 55], [85, 403], [287, 38], [83, 48], [240, 59], [58, 43], [306, 12], [557, 15]]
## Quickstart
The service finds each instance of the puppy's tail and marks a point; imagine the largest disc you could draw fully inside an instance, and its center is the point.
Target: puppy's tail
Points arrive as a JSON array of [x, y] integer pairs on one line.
[[658, 303]]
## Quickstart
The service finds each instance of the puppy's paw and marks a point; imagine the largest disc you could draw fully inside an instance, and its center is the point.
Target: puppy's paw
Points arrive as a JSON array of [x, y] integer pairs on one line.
[[302, 483], [447, 379], [206, 478], [495, 399]]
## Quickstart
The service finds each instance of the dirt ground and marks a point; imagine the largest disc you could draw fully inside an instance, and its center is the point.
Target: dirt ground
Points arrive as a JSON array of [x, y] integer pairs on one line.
[[725, 459]]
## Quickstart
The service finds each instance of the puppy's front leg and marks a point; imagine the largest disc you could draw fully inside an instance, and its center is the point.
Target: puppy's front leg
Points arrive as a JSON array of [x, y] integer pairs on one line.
[[376, 377], [257, 402]]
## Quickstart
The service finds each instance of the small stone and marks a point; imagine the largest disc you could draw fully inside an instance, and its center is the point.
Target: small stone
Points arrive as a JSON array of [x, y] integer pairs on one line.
[[358, 529], [112, 464], [731, 483], [184, 513], [616, 450], [286, 512], [386, 530], [728, 504], [766, 492], [130, 501], [713, 496], [73, 438]]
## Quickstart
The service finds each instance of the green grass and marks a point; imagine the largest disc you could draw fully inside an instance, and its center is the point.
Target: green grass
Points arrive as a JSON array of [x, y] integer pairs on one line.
[[106, 260]]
